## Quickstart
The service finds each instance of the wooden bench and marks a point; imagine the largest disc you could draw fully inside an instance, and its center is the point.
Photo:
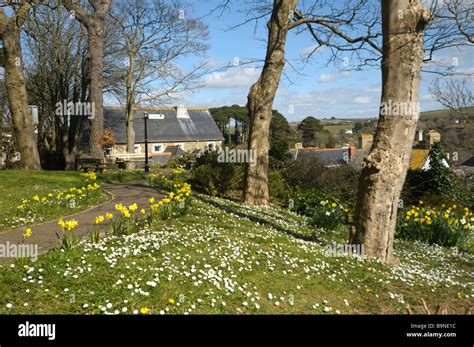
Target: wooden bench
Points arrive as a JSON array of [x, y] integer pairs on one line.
[[91, 164]]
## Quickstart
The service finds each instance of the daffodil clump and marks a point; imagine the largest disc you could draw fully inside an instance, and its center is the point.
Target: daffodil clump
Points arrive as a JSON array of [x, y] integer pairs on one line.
[[175, 204], [68, 237], [445, 225], [328, 215], [324, 211], [132, 218], [159, 181], [90, 176], [127, 221], [34, 209]]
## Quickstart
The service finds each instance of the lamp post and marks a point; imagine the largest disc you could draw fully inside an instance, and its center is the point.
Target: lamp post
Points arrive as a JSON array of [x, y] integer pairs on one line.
[[145, 118]]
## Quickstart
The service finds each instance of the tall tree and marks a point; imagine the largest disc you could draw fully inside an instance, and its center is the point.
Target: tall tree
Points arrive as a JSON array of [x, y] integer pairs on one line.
[[260, 102], [93, 21], [384, 172], [155, 35], [56, 72], [10, 28], [281, 137], [312, 132]]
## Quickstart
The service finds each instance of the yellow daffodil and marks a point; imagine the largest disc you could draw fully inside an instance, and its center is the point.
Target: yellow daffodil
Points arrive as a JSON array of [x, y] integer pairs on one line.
[[27, 232], [99, 220]]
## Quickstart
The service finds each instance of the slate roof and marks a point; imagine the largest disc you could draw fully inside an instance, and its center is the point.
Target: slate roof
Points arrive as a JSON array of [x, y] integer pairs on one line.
[[469, 162], [199, 126], [327, 157]]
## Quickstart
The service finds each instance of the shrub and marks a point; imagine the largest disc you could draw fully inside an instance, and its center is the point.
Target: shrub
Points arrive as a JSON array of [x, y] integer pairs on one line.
[[444, 226], [325, 212], [277, 186], [216, 178], [435, 184], [308, 173], [187, 160]]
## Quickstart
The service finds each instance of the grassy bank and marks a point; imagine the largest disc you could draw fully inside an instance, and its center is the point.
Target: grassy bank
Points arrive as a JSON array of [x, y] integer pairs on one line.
[[224, 257], [17, 186]]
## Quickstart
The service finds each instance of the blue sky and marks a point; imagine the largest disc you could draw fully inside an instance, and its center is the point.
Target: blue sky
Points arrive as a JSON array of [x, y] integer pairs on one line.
[[317, 90]]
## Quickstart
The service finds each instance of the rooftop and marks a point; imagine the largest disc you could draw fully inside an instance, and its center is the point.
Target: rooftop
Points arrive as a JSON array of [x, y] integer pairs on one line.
[[196, 124]]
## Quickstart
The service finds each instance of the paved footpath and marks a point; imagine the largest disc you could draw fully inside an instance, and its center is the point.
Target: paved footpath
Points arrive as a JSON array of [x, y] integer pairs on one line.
[[44, 235]]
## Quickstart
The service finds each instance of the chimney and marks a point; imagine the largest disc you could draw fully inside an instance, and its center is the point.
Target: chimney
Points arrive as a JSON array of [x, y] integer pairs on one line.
[[298, 145], [433, 137], [352, 151], [419, 136], [365, 140], [181, 112]]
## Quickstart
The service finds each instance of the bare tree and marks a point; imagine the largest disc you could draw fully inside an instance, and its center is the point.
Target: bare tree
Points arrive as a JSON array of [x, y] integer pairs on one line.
[[260, 102], [155, 35], [92, 17], [57, 73], [285, 17], [455, 94], [384, 172], [10, 28]]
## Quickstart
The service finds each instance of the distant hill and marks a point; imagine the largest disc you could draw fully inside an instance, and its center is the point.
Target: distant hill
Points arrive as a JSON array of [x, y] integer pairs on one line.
[[456, 132]]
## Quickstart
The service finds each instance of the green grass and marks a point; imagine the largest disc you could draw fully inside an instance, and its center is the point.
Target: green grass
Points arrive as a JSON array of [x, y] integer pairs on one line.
[[17, 185], [335, 129], [224, 257]]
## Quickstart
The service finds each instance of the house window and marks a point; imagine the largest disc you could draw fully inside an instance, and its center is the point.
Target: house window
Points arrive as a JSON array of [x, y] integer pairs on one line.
[[137, 149], [211, 146], [109, 152], [158, 147]]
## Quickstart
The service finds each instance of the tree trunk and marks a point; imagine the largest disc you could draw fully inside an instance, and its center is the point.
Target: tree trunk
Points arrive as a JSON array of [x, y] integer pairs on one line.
[[129, 116], [96, 84], [16, 89], [384, 172], [260, 102]]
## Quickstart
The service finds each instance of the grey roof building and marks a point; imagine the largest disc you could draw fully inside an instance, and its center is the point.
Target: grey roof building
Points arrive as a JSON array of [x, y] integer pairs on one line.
[[326, 156], [178, 124]]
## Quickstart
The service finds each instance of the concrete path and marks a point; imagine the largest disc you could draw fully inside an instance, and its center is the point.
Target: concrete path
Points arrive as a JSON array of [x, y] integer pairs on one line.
[[44, 235]]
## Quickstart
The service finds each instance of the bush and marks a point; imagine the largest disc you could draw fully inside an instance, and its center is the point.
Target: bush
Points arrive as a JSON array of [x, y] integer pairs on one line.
[[277, 186], [214, 178], [436, 184], [444, 226], [308, 173], [325, 212], [187, 161]]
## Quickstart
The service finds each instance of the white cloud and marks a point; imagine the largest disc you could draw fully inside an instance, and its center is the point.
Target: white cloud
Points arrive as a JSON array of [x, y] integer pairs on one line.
[[237, 77], [331, 77], [363, 100], [324, 78], [305, 52]]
